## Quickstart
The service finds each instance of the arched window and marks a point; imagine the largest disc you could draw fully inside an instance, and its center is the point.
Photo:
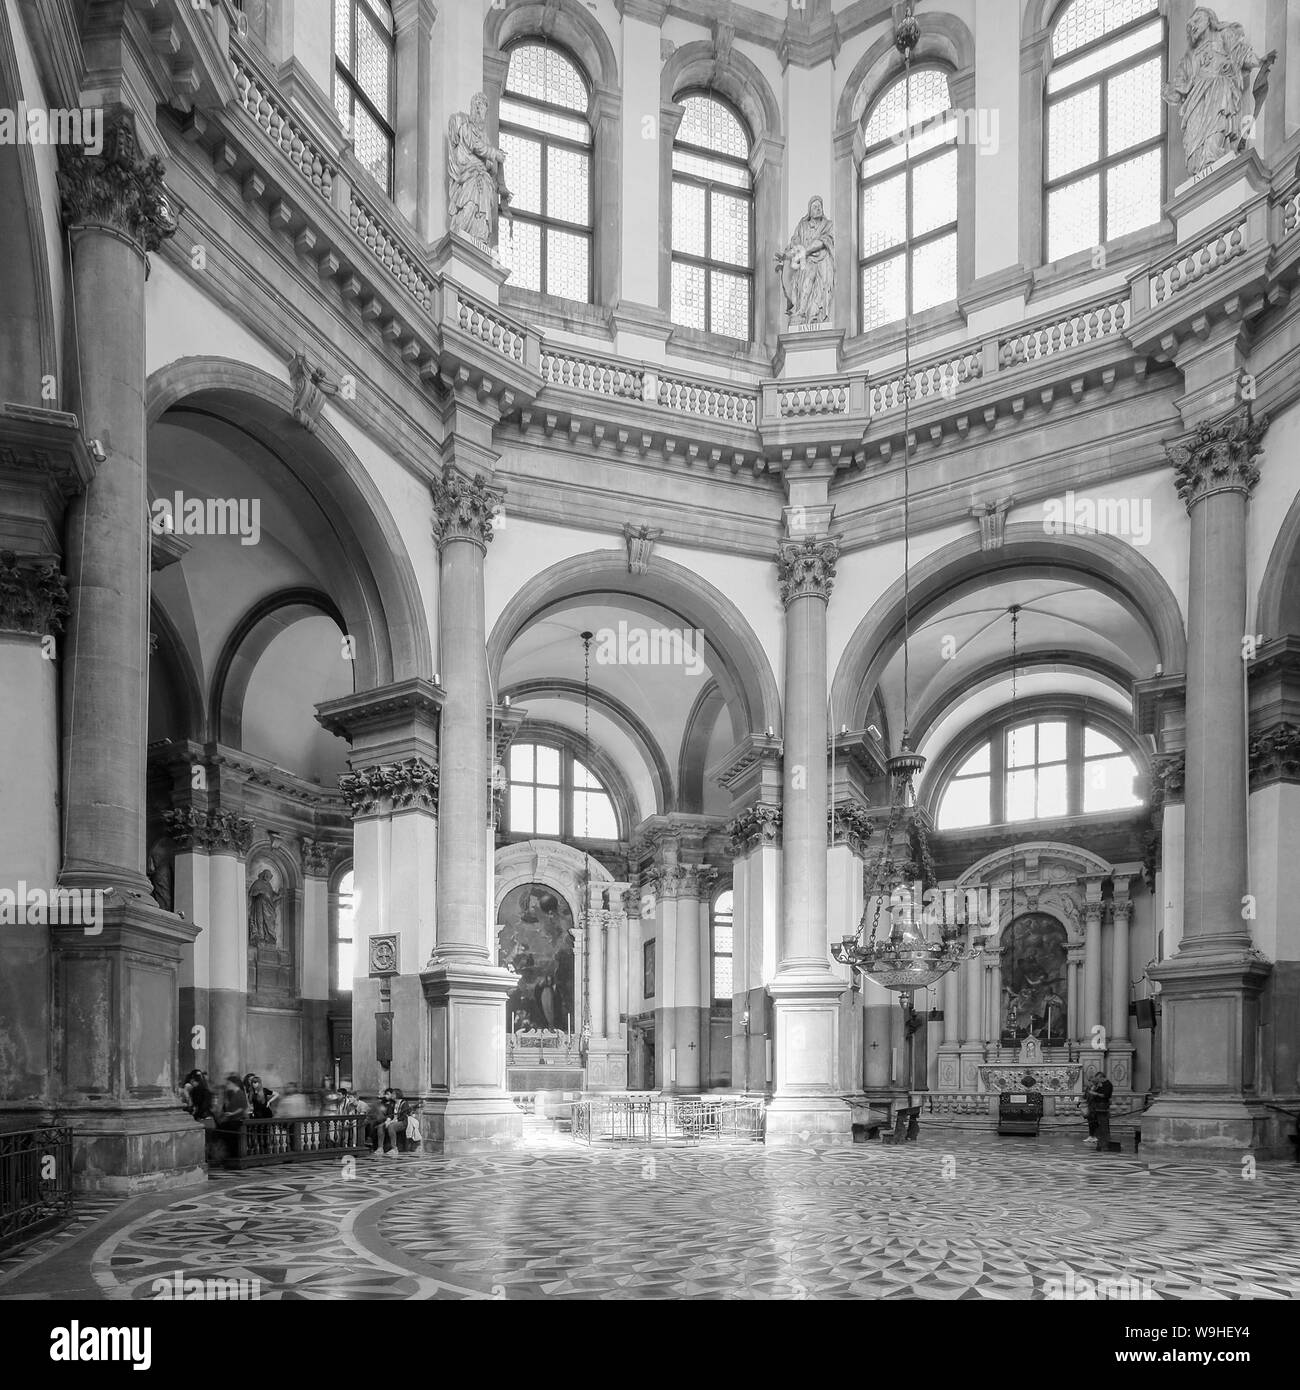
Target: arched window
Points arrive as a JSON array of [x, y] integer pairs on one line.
[[713, 221], [552, 793], [1105, 123], [546, 138], [1038, 770], [723, 939], [344, 939], [363, 83], [908, 194]]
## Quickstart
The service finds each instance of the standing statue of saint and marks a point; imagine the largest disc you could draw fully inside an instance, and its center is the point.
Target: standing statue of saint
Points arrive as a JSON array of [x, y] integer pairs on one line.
[[807, 267], [263, 910], [1210, 88], [476, 190]]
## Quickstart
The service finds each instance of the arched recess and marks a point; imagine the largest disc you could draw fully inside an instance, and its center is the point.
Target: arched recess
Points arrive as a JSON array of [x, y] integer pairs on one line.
[[28, 345], [242, 649], [561, 867], [172, 653], [377, 593], [697, 66], [565, 22], [1277, 612], [1046, 874], [709, 704], [618, 713], [944, 40], [742, 667], [1106, 564]]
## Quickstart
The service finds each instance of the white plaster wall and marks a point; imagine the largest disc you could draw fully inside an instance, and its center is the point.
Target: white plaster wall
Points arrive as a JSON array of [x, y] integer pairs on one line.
[[1274, 495]]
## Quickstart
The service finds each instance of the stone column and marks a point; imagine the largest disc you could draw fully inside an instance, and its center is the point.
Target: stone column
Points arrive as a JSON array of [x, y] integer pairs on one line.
[[1120, 1060], [1210, 989], [688, 886], [317, 857], [1073, 1002], [808, 1106], [1092, 1016], [595, 992], [464, 987], [993, 1002], [972, 1047], [117, 1016]]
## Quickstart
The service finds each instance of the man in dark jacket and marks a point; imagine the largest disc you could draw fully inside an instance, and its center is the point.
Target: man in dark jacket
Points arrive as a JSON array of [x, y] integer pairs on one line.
[[1100, 1091]]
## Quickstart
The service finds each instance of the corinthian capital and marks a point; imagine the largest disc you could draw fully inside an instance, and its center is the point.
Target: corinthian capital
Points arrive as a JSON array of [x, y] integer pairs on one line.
[[1218, 458], [806, 567], [465, 508], [116, 187], [33, 598]]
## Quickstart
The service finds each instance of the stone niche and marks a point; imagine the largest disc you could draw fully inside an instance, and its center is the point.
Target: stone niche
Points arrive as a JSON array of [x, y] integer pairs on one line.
[[272, 908]]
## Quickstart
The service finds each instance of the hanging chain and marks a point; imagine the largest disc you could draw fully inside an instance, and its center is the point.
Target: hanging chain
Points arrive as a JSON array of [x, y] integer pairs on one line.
[[907, 412]]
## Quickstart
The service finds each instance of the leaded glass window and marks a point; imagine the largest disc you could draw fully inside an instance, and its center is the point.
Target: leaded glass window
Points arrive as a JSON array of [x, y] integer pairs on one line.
[[547, 141], [723, 947], [363, 83], [344, 935], [552, 793], [712, 220], [908, 195], [1105, 123]]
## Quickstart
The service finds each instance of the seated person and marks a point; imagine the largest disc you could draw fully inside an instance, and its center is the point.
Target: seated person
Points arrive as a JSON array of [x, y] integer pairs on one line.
[[389, 1125]]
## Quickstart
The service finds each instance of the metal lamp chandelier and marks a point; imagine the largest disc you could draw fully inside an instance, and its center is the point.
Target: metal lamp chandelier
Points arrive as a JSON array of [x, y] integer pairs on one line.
[[916, 951]]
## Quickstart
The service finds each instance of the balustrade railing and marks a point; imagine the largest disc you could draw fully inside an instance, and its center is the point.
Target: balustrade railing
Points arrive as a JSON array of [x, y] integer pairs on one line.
[[578, 373], [35, 1181], [386, 246], [302, 1138], [282, 128], [941, 378], [813, 398], [489, 325], [728, 405], [1074, 329], [1190, 267]]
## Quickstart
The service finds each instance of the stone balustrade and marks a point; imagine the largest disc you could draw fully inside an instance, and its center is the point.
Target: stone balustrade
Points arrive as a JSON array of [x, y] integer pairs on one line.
[[1192, 266], [387, 247], [1074, 329], [577, 372], [281, 127]]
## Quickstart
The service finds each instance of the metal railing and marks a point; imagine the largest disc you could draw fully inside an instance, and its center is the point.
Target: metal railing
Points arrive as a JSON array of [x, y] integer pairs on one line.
[[668, 1120], [35, 1181]]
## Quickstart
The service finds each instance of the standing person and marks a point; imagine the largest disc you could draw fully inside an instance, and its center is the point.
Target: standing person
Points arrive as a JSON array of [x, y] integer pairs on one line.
[[1100, 1091], [197, 1095], [260, 1097]]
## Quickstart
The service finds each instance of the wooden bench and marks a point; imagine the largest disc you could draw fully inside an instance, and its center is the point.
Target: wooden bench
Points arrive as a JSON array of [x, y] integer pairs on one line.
[[907, 1125]]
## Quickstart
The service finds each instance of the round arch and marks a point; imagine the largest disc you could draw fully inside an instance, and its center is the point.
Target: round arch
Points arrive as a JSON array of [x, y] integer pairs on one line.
[[1105, 563], [745, 674], [697, 66], [243, 648], [176, 660], [1277, 610], [566, 22], [378, 594], [700, 724], [945, 40]]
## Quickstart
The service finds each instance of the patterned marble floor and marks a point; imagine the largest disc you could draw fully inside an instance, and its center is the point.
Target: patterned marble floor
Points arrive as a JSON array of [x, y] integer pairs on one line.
[[948, 1217]]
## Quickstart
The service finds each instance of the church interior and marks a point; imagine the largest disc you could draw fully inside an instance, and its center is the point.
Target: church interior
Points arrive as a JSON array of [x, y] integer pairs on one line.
[[684, 614]]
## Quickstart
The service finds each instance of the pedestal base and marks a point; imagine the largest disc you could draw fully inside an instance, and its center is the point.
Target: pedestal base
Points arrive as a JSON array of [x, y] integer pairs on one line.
[[134, 1150], [808, 1122], [451, 1126], [1210, 1127]]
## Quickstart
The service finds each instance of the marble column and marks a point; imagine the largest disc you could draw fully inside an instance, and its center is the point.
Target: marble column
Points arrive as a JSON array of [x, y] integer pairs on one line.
[[595, 977], [1120, 1059], [1073, 1003], [1210, 989], [117, 988], [808, 1105], [1092, 1015], [464, 987]]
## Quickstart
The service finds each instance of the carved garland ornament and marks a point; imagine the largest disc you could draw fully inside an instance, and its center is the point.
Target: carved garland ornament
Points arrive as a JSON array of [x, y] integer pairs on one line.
[[806, 568]]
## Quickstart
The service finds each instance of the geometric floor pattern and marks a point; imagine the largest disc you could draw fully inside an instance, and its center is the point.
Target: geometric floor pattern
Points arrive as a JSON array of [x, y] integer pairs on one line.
[[948, 1217]]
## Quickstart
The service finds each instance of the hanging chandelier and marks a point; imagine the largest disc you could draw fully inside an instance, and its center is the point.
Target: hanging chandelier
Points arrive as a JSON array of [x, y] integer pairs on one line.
[[920, 945]]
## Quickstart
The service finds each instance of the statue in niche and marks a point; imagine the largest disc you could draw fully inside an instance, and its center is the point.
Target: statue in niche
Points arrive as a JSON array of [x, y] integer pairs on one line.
[[1210, 88], [476, 189], [807, 269], [263, 910]]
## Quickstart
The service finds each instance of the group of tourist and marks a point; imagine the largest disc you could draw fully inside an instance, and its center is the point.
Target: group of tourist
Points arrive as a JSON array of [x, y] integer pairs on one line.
[[390, 1125]]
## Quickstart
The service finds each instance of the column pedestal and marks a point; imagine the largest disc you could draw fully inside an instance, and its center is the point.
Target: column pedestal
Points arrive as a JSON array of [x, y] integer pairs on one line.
[[808, 1108], [467, 1110]]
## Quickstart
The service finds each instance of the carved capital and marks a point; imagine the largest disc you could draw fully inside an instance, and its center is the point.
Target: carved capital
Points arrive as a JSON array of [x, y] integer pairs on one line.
[[684, 880], [465, 508], [756, 826], [208, 831], [116, 187], [1168, 771], [1274, 755], [388, 787], [316, 857], [807, 568], [849, 825], [1218, 458], [33, 597]]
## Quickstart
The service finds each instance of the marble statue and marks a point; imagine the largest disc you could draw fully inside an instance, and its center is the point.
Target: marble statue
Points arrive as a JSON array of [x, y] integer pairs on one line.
[[1210, 89], [476, 190], [807, 268], [263, 910]]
